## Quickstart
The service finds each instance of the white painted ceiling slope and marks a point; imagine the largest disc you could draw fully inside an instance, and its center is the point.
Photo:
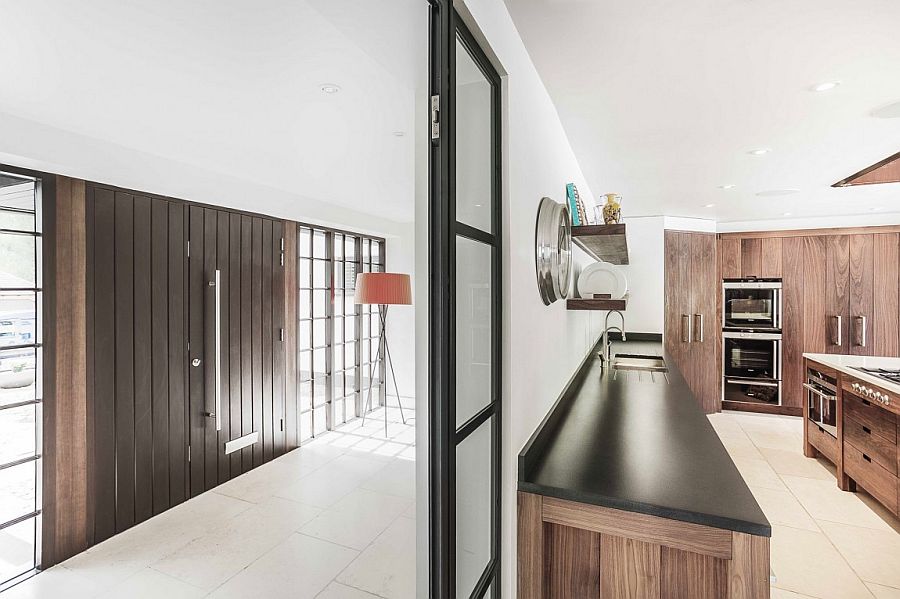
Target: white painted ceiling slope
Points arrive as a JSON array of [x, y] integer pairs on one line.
[[232, 86], [662, 100]]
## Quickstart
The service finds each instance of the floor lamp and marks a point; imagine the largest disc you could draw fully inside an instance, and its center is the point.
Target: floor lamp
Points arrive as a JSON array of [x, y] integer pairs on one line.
[[384, 289]]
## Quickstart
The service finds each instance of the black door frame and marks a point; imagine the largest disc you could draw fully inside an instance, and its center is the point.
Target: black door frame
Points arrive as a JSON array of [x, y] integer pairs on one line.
[[446, 27]]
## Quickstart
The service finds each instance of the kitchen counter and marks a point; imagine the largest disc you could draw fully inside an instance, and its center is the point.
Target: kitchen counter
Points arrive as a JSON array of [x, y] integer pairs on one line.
[[638, 446], [848, 365]]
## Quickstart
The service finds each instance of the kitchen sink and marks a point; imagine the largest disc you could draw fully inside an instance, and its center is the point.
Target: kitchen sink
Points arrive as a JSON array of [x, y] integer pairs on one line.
[[640, 364]]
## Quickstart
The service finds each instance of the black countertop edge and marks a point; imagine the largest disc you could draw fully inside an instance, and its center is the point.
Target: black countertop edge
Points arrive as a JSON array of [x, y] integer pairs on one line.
[[651, 510]]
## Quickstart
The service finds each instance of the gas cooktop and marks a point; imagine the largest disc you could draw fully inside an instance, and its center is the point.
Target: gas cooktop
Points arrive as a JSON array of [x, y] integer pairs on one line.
[[888, 374]]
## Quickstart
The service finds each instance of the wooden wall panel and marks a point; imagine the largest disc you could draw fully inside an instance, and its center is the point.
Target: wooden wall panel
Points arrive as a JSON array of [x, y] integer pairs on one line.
[[291, 412], [771, 260], [685, 575], [124, 360], [751, 258], [575, 557], [256, 347], [861, 294], [886, 310], [814, 281], [530, 546], [66, 494], [210, 436], [269, 418], [223, 263], [246, 341], [235, 353], [731, 258], [178, 357], [196, 338], [703, 287], [837, 293], [159, 362], [143, 383], [629, 568], [794, 293]]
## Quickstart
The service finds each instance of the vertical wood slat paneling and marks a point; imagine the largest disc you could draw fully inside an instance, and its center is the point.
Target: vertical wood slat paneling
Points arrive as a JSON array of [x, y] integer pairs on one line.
[[256, 339], [886, 315], [267, 436], [234, 334], [104, 360], [794, 294], [246, 340], [837, 293], [143, 381], [223, 263], [289, 291], [861, 292], [575, 555], [66, 494], [814, 281], [159, 279], [703, 288], [278, 352], [208, 323], [629, 568], [751, 257], [177, 355], [771, 258], [196, 376], [124, 360]]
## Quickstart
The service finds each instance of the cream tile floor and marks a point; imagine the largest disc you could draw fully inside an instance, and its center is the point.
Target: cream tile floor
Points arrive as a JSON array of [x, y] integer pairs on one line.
[[334, 519], [826, 543]]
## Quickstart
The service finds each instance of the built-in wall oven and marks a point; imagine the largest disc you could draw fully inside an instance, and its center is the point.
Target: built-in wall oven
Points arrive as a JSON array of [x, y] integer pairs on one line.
[[752, 367], [751, 304], [821, 396]]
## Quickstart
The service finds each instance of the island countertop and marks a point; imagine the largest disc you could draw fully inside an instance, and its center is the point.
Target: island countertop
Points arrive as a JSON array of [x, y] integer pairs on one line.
[[638, 446]]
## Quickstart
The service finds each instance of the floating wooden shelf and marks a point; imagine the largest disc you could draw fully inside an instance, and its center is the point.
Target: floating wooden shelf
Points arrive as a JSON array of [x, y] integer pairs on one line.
[[603, 242], [584, 303]]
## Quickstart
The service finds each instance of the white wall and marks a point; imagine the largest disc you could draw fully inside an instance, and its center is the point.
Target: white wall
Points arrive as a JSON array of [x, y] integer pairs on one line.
[[401, 320]]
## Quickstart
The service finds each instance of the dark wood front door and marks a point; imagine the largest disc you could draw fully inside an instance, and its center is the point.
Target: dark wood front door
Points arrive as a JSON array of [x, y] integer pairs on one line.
[[158, 428]]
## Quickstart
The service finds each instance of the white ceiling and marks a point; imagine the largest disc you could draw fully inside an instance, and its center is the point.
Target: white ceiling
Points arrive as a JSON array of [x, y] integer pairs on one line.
[[662, 100], [232, 86]]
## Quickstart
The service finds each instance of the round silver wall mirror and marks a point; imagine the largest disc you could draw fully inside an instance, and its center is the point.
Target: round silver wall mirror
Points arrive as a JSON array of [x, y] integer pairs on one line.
[[553, 250]]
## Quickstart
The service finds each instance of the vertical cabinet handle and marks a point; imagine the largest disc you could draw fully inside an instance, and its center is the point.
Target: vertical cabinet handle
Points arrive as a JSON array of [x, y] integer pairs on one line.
[[686, 329], [860, 330], [837, 337], [217, 288], [698, 328]]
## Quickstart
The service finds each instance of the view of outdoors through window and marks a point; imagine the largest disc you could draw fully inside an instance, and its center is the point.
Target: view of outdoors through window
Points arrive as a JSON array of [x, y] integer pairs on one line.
[[20, 394], [337, 339]]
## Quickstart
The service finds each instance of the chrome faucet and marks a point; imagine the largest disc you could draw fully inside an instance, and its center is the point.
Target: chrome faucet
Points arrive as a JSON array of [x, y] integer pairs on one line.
[[604, 346]]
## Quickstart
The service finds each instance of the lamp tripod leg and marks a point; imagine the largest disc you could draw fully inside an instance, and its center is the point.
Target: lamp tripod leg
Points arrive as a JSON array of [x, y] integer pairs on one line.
[[371, 379], [390, 361]]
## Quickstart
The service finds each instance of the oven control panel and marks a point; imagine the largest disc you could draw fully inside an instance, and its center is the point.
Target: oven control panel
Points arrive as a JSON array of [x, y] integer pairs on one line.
[[866, 390]]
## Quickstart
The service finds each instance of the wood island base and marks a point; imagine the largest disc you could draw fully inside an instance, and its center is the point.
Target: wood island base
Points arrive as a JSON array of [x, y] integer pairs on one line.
[[571, 550]]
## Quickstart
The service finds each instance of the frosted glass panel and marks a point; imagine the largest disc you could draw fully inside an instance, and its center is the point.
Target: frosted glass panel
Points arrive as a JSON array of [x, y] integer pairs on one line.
[[473, 328], [473, 508], [474, 164]]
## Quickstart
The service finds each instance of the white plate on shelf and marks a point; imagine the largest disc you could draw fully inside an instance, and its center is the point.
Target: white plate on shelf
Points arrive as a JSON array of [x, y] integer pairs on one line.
[[602, 277]]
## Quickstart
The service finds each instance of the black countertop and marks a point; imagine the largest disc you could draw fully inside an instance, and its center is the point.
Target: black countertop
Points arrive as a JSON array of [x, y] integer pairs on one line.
[[638, 446]]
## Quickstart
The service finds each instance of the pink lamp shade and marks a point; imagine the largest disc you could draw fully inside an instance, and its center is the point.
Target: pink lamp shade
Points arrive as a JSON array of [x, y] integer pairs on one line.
[[383, 288]]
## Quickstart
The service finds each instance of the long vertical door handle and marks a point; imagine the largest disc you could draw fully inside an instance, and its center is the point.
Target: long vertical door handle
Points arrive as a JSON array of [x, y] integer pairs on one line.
[[698, 328], [686, 332], [838, 337], [861, 331], [216, 284]]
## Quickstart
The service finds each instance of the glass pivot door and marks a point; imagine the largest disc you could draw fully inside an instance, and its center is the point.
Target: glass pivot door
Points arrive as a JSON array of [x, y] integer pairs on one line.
[[464, 345]]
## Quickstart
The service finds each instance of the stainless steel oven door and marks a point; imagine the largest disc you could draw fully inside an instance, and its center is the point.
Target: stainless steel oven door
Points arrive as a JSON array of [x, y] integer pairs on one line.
[[822, 406], [757, 391], [751, 355], [751, 305]]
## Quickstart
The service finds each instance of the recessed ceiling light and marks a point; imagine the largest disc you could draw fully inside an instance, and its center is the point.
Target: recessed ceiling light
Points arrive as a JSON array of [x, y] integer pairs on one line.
[[875, 209], [710, 206], [769, 193], [787, 214], [329, 88], [759, 152], [825, 86], [729, 186], [478, 205], [399, 133]]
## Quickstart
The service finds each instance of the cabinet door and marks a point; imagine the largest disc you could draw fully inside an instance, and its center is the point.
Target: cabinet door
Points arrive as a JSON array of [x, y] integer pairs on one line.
[[885, 329], [731, 257], [837, 294], [862, 294], [771, 260], [703, 287], [751, 257], [678, 300], [794, 292]]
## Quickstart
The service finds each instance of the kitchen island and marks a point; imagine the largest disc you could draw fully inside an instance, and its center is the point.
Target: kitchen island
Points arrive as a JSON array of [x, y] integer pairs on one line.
[[625, 491]]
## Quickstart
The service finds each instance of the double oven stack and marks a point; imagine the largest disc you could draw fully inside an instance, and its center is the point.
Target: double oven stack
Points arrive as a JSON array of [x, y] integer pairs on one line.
[[751, 341]]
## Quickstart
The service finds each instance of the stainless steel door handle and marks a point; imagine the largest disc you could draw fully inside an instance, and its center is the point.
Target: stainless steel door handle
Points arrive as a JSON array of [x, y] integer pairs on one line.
[[698, 327], [686, 332], [838, 337], [860, 330], [216, 284]]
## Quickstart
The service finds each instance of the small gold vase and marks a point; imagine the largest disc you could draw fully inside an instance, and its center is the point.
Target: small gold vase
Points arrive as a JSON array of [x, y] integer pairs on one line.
[[612, 210]]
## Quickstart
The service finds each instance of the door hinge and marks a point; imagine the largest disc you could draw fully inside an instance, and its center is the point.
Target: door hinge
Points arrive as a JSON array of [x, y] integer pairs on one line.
[[281, 334], [435, 117]]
